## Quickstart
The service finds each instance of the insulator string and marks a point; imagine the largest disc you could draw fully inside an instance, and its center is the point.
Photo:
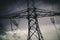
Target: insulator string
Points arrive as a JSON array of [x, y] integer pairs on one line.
[[53, 22], [11, 24]]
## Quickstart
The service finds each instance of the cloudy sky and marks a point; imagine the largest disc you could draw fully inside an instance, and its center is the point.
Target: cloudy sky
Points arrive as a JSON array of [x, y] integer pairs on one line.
[[47, 28]]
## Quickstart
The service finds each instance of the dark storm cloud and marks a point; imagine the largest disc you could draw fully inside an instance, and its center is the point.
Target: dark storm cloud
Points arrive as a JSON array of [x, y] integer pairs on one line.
[[8, 5], [51, 1], [9, 2]]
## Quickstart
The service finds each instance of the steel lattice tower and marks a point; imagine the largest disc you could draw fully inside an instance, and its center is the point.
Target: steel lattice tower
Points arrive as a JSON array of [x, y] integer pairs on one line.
[[31, 13], [33, 27]]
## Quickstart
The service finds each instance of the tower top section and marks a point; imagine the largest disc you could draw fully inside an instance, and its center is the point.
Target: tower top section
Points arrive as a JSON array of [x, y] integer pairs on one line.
[[30, 3]]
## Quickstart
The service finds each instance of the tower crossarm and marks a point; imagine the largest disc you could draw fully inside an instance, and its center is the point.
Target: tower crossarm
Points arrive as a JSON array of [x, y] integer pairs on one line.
[[24, 14], [19, 14], [46, 13]]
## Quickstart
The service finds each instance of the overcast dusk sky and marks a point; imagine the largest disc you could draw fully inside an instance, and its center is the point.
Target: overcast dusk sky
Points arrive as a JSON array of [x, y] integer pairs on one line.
[[47, 28]]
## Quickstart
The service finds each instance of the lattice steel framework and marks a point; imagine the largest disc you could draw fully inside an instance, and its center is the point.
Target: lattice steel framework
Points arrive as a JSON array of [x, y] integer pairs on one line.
[[33, 27], [32, 13]]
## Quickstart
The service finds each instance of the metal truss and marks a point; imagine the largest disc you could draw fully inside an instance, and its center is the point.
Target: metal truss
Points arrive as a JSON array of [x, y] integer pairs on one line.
[[33, 27], [32, 13], [24, 14]]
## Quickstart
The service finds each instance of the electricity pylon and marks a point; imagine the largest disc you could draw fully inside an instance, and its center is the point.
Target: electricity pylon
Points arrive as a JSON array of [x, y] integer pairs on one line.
[[32, 13], [33, 27]]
